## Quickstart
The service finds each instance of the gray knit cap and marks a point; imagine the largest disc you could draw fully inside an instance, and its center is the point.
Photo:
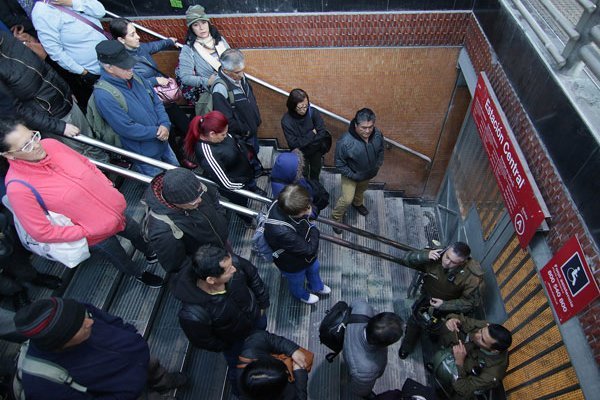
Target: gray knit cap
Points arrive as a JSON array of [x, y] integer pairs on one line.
[[181, 186], [195, 13]]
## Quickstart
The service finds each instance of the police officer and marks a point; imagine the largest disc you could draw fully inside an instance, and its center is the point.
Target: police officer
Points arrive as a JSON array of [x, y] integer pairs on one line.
[[451, 284], [480, 351]]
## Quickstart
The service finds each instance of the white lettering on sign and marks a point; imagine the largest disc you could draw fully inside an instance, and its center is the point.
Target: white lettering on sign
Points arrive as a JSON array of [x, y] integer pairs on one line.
[[513, 166], [495, 123]]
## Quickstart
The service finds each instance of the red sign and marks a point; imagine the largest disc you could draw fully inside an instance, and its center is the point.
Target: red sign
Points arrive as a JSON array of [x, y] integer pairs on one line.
[[518, 189], [569, 281]]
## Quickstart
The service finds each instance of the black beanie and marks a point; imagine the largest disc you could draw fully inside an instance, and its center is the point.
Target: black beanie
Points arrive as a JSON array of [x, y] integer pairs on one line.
[[50, 323], [181, 186]]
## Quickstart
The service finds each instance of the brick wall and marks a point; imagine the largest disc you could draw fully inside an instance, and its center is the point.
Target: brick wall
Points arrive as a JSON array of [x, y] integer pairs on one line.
[[565, 219]]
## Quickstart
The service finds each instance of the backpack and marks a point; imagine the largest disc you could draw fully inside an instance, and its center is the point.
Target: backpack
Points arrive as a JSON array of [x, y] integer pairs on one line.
[[320, 195], [204, 105], [259, 243], [445, 371], [42, 369], [100, 128], [333, 327]]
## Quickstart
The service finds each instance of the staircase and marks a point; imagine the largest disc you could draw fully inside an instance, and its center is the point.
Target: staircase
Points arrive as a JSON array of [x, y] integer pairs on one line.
[[350, 274]]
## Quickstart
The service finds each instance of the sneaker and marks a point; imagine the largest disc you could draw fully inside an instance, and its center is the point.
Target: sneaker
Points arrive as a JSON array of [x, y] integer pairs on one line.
[[326, 290], [152, 259], [338, 231], [151, 280], [171, 380], [362, 210], [47, 280], [312, 299]]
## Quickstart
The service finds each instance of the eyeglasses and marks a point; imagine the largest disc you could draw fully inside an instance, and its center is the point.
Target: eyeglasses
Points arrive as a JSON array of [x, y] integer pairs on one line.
[[30, 145], [302, 107]]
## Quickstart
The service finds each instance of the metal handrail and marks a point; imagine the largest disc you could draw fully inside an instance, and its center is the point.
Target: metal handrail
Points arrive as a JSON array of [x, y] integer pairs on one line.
[[251, 213], [283, 92], [159, 164], [246, 193]]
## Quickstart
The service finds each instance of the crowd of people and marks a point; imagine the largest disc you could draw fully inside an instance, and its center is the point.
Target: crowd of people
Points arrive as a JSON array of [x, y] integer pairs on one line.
[[106, 85]]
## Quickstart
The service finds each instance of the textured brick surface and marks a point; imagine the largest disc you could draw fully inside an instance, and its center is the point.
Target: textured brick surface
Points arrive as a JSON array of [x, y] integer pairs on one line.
[[330, 30]]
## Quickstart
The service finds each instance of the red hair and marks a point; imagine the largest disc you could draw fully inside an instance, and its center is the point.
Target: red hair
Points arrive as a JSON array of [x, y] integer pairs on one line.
[[202, 125]]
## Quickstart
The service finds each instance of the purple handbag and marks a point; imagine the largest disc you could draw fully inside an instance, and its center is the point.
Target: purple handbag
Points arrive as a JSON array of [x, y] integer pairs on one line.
[[170, 93]]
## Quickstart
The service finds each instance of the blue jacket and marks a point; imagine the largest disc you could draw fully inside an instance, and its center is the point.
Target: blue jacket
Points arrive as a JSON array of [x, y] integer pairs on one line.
[[285, 171], [112, 364], [144, 56], [137, 128]]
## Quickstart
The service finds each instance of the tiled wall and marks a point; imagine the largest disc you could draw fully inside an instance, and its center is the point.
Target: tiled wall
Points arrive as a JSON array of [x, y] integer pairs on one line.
[[343, 80], [162, 7], [331, 30]]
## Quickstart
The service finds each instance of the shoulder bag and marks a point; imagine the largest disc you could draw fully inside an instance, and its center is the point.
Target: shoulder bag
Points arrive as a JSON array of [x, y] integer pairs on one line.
[[70, 254]]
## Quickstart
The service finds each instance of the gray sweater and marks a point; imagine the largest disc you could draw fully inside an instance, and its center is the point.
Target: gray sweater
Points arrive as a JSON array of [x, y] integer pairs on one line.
[[366, 363], [193, 70]]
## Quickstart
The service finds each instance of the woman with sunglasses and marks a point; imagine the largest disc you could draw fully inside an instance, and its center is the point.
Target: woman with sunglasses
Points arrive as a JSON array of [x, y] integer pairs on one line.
[[304, 129]]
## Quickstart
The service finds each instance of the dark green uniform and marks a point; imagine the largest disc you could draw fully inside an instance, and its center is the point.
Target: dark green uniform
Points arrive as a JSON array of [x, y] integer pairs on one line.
[[492, 366], [458, 287]]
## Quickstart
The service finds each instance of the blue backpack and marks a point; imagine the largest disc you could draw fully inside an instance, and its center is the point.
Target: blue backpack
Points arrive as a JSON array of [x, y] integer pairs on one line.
[[259, 243]]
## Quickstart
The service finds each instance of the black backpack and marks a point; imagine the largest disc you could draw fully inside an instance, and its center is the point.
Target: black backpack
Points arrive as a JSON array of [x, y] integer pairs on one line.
[[333, 327], [320, 194]]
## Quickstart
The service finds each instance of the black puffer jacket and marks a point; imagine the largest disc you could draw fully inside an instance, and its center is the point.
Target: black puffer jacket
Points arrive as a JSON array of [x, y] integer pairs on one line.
[[206, 224], [225, 163], [300, 245], [41, 97], [262, 344], [356, 159], [298, 130], [215, 322]]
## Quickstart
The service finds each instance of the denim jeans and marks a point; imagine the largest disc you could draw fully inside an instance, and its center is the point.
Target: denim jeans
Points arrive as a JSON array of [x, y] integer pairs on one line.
[[232, 354], [168, 156], [112, 249], [296, 280]]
